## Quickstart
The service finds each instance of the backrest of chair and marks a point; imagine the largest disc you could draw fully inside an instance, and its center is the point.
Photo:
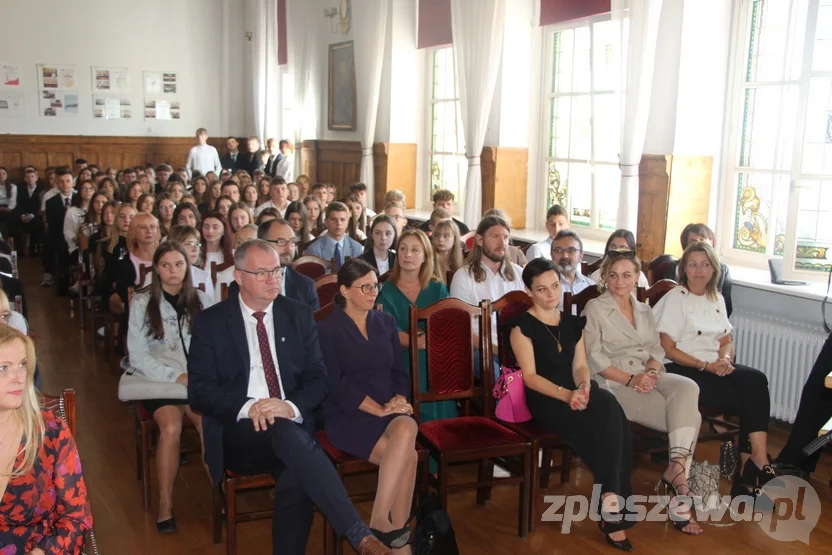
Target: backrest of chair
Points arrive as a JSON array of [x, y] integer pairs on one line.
[[579, 300], [592, 266], [326, 287], [63, 406], [201, 287], [324, 312], [653, 294], [384, 277], [449, 329], [223, 291], [660, 268], [217, 268], [508, 307], [311, 266], [144, 269]]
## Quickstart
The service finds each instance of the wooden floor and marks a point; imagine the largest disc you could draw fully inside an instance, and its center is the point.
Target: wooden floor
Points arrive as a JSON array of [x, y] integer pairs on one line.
[[106, 445]]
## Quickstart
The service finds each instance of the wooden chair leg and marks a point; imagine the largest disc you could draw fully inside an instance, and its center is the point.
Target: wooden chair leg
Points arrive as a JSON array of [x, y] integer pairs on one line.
[[139, 466], [231, 517], [424, 478], [216, 509], [566, 464], [525, 515], [534, 475], [486, 473], [545, 468], [442, 480], [145, 462]]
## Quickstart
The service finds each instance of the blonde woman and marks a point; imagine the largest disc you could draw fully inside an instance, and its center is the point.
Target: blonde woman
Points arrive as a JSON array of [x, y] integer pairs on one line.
[[447, 245], [44, 509], [143, 238]]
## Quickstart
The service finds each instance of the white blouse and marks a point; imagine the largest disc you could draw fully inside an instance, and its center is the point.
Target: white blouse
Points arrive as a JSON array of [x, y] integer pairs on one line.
[[224, 277], [72, 224], [694, 322], [10, 200]]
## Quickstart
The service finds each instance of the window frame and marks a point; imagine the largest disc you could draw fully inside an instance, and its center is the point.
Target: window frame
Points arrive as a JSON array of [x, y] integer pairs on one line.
[[539, 190], [459, 201], [740, 45]]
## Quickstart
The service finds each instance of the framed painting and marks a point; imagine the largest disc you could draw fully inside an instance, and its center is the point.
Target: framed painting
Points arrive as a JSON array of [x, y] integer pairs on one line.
[[342, 86]]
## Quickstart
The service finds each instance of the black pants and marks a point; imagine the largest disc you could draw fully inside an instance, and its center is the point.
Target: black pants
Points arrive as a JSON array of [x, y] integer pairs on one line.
[[303, 475], [814, 410], [35, 229], [743, 391]]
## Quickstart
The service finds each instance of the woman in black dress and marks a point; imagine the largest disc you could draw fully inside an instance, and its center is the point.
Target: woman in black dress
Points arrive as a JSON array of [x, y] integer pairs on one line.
[[549, 347], [367, 412]]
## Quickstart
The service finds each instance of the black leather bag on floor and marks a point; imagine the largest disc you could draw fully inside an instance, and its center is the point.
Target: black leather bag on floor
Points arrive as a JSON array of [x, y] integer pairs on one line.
[[434, 534]]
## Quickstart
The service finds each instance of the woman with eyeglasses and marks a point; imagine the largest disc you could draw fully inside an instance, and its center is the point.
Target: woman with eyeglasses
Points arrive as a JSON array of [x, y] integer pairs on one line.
[[696, 336], [414, 281], [368, 412], [158, 339], [189, 238], [621, 240], [625, 357]]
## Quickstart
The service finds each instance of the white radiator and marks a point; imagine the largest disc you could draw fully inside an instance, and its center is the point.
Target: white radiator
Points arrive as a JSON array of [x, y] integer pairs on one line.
[[783, 350]]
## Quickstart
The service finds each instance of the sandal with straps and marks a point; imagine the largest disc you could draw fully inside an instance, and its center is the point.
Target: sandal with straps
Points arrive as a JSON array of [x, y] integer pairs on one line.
[[678, 521]]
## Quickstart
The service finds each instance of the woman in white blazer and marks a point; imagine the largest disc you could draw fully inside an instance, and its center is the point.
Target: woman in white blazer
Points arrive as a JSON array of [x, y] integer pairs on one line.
[[625, 356]]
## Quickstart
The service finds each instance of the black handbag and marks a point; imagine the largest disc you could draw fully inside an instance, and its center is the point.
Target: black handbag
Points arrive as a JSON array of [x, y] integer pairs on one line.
[[434, 534]]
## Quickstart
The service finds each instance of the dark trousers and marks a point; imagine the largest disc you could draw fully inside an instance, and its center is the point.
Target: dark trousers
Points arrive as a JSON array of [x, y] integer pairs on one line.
[[35, 230], [58, 262], [744, 391], [814, 410], [303, 475]]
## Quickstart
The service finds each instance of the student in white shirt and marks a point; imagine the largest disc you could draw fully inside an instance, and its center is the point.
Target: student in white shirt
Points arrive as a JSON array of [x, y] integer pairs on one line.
[[203, 157], [359, 190], [556, 220], [285, 167], [8, 199], [488, 273], [567, 253], [75, 215], [217, 246], [279, 193]]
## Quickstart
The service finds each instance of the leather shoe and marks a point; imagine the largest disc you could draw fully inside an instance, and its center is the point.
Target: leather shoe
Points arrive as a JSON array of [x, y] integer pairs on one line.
[[167, 526], [372, 546]]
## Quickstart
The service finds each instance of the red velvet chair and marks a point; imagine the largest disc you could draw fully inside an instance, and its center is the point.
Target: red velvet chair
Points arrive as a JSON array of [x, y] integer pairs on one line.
[[510, 306], [312, 266], [655, 292], [465, 439], [579, 300], [326, 287]]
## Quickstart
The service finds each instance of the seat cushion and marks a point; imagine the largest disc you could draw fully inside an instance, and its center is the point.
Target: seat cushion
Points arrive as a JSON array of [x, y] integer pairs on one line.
[[336, 455], [467, 432], [533, 430]]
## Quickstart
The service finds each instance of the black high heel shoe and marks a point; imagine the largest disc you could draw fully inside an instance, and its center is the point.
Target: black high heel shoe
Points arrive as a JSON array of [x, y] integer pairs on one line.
[[608, 528], [394, 539], [167, 526], [750, 483]]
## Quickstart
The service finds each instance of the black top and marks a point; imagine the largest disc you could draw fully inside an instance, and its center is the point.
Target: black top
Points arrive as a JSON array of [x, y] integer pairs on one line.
[[549, 363]]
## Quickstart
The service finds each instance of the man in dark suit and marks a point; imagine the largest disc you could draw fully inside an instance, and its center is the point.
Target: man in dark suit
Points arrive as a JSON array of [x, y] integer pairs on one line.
[[233, 160], [256, 373], [28, 211], [275, 156], [56, 208], [251, 160]]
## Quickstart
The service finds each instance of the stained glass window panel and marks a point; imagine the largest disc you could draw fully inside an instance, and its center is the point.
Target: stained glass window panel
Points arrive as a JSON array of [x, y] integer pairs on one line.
[[556, 192], [564, 44], [758, 137], [606, 55], [753, 209], [581, 128], [561, 110], [448, 171], [444, 80], [608, 186], [579, 182], [769, 31], [607, 126]]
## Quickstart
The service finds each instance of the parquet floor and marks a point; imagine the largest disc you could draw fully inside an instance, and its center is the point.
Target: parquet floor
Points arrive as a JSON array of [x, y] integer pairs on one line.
[[107, 448]]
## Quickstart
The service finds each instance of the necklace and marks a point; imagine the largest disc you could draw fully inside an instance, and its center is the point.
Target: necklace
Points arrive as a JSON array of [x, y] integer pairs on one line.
[[557, 339]]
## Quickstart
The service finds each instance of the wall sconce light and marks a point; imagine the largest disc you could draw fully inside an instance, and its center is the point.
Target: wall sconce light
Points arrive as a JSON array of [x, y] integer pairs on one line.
[[248, 35], [331, 14], [339, 18]]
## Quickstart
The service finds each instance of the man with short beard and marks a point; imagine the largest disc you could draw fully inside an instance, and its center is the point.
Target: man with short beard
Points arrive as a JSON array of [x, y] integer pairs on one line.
[[567, 253], [488, 273]]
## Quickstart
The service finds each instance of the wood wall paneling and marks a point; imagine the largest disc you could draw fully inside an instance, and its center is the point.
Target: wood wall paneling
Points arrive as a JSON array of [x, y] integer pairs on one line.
[[395, 168], [41, 151], [504, 180]]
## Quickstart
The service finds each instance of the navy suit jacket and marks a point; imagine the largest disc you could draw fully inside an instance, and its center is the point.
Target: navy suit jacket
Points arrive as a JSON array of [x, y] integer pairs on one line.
[[298, 287], [228, 163], [219, 364]]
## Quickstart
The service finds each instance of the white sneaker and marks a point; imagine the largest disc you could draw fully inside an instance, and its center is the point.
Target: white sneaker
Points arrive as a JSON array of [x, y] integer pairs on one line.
[[47, 280]]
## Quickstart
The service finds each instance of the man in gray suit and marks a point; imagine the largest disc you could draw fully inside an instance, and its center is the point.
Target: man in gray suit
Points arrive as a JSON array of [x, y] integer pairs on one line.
[[336, 243]]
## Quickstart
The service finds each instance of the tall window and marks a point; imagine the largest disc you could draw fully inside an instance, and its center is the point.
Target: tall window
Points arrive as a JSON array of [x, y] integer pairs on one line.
[[446, 155], [780, 136], [583, 125]]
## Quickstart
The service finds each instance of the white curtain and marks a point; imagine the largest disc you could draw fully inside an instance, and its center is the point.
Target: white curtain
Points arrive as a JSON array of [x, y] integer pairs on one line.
[[303, 60], [640, 22], [266, 71], [477, 29], [369, 30]]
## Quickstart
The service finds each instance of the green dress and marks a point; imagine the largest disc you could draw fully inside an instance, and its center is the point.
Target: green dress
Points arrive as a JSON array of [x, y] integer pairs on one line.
[[398, 305]]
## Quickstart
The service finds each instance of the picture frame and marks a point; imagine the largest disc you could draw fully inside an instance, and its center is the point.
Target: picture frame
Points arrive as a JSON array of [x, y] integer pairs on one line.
[[341, 103]]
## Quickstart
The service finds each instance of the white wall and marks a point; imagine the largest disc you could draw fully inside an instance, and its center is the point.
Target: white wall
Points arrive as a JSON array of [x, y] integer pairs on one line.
[[146, 35]]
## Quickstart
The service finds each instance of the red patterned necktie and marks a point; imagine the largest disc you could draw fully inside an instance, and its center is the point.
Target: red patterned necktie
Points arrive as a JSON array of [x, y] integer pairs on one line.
[[66, 203], [266, 355]]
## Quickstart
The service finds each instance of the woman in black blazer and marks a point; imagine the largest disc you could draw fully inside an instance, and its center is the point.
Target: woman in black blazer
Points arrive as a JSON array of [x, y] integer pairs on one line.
[[378, 251]]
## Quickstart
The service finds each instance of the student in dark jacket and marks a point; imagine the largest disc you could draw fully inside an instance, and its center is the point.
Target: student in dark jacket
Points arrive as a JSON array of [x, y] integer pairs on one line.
[[56, 209], [379, 251], [28, 211]]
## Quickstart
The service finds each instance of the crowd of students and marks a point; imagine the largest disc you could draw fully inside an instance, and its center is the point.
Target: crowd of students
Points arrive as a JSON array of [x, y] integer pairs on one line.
[[199, 266]]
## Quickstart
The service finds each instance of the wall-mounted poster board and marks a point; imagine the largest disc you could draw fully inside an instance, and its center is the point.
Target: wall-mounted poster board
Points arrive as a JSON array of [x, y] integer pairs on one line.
[[115, 80]]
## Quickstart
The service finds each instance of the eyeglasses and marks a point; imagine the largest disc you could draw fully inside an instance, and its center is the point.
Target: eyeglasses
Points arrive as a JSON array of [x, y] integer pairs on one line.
[[283, 242], [368, 288], [628, 254], [571, 251], [192, 245], [262, 275]]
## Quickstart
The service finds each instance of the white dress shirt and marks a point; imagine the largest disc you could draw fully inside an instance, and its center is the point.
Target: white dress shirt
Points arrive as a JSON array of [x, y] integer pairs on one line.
[[383, 265], [464, 287], [543, 249], [270, 204], [695, 322], [257, 386], [72, 224], [10, 200], [203, 158], [285, 168]]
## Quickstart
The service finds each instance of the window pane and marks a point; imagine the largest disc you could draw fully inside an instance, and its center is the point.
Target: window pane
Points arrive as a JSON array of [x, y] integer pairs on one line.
[[607, 124], [581, 130], [579, 182], [758, 132], [448, 171], [817, 149], [564, 43], [555, 186], [822, 55], [581, 78], [814, 226], [444, 127], [753, 209], [768, 40], [561, 108], [781, 210], [608, 186], [443, 74], [606, 55]]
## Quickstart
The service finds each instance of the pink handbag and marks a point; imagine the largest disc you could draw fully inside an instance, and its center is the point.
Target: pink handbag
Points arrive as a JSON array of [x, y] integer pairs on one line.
[[511, 396]]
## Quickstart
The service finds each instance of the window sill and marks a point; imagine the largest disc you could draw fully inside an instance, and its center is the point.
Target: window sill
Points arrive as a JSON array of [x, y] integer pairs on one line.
[[761, 279]]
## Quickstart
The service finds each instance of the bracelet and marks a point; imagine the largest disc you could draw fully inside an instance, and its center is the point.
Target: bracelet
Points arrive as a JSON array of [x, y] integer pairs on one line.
[[628, 381]]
